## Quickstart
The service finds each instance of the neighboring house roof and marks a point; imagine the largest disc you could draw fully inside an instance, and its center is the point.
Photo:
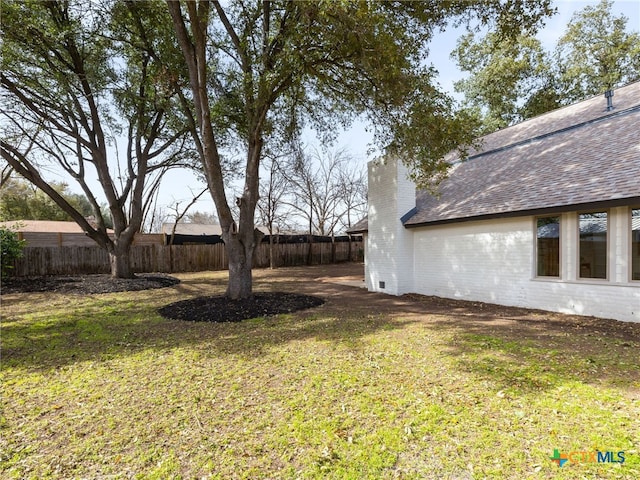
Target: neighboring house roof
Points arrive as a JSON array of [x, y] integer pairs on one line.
[[199, 229], [360, 227], [44, 226], [549, 231], [191, 229], [580, 156]]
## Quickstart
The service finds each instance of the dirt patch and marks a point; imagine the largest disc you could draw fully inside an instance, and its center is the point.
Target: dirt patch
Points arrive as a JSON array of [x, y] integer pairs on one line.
[[87, 284], [526, 322], [222, 309]]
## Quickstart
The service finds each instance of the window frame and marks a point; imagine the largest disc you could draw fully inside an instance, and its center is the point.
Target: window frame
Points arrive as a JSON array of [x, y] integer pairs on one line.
[[607, 255], [630, 254], [536, 273]]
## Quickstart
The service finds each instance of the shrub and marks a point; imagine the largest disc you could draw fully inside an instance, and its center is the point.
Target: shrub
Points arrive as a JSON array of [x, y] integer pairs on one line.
[[10, 249]]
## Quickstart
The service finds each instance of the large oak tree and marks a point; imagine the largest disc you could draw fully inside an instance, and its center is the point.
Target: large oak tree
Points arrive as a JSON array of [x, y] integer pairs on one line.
[[76, 77], [514, 78], [510, 78], [262, 69], [597, 52]]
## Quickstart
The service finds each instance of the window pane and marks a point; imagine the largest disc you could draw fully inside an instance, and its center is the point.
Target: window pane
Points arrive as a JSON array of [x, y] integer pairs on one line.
[[548, 247], [635, 244], [593, 245]]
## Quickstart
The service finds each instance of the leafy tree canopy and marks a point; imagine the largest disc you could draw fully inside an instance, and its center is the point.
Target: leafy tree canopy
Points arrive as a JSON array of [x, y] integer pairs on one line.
[[20, 200], [597, 53], [505, 70], [514, 78], [201, 218]]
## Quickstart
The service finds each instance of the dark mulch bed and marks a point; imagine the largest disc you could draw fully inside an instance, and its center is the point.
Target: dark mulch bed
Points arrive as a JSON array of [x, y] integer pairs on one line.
[[87, 284], [222, 309], [202, 309]]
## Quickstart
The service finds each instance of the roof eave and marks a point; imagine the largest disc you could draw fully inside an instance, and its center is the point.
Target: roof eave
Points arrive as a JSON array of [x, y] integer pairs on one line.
[[617, 202]]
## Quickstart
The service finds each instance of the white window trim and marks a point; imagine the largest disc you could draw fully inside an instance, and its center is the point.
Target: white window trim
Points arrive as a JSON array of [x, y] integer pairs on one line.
[[630, 278], [610, 261], [551, 278]]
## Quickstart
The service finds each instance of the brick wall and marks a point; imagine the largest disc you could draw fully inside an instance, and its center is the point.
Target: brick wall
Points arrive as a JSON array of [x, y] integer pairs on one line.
[[490, 261], [389, 257], [493, 261]]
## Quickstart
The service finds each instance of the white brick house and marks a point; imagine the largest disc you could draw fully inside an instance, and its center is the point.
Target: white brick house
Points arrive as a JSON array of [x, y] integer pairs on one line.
[[546, 215]]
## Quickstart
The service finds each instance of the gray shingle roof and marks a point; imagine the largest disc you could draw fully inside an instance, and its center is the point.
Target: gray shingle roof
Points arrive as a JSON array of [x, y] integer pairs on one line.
[[200, 229], [360, 227], [574, 157], [192, 229]]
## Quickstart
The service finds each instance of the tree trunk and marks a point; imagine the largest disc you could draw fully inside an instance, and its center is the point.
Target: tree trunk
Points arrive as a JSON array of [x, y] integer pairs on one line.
[[333, 248], [240, 256], [120, 261], [272, 263]]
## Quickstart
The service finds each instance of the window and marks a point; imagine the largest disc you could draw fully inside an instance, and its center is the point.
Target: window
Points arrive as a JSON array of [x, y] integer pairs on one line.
[[548, 246], [635, 244], [593, 245]]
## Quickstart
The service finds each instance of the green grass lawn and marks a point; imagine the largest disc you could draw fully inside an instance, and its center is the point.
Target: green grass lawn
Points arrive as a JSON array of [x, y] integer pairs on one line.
[[365, 386]]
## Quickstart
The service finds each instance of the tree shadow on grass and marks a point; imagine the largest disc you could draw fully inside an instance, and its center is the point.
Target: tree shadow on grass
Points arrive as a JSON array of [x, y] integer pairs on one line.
[[111, 326], [529, 351], [511, 347]]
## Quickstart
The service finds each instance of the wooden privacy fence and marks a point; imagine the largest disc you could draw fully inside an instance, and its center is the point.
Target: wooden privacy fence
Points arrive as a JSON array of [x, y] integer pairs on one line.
[[75, 260]]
